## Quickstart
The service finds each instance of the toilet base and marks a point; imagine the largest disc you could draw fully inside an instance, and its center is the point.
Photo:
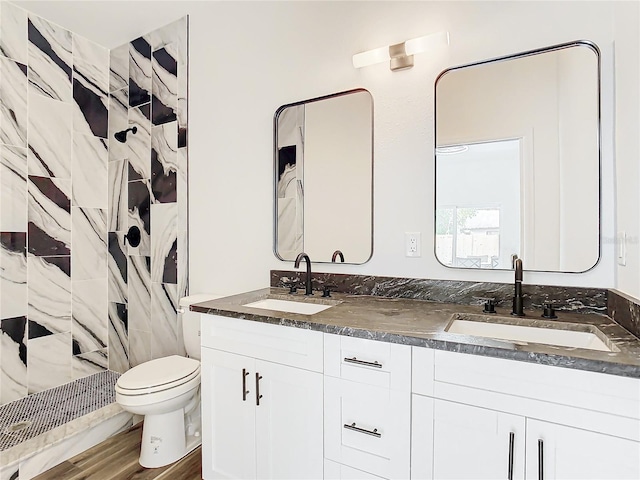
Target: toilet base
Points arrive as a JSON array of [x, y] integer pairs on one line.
[[168, 437]]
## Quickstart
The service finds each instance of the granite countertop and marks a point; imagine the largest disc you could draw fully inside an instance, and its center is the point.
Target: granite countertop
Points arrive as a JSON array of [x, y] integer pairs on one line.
[[422, 323]]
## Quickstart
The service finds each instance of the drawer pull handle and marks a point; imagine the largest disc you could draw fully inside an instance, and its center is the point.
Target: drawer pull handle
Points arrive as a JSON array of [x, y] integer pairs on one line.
[[244, 384], [363, 362], [512, 437], [373, 433]]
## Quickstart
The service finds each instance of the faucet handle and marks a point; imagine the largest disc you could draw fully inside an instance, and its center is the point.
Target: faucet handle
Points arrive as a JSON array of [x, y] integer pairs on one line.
[[489, 304], [326, 290], [292, 285], [549, 310]]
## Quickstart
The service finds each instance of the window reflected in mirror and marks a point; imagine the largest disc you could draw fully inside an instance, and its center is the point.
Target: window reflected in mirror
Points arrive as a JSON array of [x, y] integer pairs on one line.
[[478, 226]]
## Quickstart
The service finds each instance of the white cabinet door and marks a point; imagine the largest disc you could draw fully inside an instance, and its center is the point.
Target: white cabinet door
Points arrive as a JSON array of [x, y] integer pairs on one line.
[[288, 422], [571, 453], [476, 443], [228, 434]]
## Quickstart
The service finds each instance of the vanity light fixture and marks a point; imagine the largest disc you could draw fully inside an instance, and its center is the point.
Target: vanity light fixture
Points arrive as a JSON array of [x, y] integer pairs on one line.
[[400, 55]]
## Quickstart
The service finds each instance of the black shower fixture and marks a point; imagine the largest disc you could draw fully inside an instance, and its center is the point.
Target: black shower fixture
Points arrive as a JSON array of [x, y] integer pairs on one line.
[[122, 136], [133, 235]]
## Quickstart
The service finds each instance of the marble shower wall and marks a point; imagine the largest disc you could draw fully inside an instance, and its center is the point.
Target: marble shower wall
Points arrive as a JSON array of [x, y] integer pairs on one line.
[[147, 189], [69, 191], [53, 204]]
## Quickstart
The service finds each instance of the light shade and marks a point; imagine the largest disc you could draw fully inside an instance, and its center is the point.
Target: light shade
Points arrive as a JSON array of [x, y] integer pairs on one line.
[[399, 53], [428, 42], [371, 57]]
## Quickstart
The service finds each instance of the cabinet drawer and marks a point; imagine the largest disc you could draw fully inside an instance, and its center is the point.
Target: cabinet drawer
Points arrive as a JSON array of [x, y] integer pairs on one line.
[[371, 362], [576, 388], [336, 471], [292, 346], [367, 427]]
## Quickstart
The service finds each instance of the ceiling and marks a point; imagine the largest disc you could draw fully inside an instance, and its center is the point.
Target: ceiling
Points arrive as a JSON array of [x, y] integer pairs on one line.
[[109, 23]]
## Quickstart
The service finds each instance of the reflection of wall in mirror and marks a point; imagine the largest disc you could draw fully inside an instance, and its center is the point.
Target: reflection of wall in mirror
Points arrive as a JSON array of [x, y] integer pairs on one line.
[[290, 164], [338, 177], [540, 99], [579, 170]]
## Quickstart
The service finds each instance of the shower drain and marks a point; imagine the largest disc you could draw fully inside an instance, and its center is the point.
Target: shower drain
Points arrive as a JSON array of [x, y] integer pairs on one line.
[[18, 426]]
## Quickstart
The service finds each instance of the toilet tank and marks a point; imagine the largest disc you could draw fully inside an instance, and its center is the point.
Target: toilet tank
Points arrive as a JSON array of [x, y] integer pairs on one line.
[[191, 323]]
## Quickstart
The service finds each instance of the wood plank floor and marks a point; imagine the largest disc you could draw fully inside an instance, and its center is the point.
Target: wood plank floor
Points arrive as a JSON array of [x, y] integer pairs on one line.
[[117, 459]]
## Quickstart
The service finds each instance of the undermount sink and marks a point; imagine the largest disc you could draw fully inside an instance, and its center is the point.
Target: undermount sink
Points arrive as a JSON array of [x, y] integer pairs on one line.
[[562, 334], [289, 306]]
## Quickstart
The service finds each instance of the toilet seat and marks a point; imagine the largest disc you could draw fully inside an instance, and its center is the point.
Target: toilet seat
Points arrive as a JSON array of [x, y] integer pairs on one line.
[[158, 375]]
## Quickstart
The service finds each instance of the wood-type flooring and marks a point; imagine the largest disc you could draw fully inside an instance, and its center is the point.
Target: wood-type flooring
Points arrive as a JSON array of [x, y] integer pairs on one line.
[[117, 459]]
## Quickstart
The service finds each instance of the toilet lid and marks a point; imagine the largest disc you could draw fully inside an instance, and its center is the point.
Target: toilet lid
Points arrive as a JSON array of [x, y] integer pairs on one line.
[[159, 372]]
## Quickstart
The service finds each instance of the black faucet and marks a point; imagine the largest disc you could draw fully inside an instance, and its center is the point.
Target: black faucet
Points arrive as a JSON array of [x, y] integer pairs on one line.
[[307, 290], [337, 254], [517, 297]]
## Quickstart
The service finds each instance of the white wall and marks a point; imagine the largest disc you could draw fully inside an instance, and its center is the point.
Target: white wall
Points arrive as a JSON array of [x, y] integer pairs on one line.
[[627, 121], [247, 59]]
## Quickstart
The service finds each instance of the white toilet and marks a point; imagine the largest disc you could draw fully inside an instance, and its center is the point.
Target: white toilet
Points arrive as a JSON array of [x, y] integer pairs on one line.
[[167, 392]]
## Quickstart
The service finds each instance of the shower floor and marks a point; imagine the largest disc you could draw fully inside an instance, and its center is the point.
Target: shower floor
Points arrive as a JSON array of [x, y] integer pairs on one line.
[[36, 414]]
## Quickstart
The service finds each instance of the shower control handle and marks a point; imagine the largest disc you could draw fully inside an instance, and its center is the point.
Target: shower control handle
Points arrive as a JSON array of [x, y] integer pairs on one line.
[[134, 236]]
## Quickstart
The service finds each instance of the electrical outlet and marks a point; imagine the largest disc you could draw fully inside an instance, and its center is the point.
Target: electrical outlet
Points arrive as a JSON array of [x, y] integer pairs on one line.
[[412, 244]]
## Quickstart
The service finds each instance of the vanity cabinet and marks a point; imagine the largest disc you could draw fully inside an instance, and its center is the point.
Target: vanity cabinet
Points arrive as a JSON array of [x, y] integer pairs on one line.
[[471, 419], [262, 402], [292, 403]]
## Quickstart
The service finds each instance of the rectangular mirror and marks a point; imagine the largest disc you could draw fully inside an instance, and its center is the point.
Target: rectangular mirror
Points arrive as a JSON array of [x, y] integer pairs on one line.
[[324, 178], [518, 161]]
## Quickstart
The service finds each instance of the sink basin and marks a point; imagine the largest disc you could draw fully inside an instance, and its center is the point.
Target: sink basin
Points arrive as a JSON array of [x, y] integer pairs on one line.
[[571, 335], [289, 306]]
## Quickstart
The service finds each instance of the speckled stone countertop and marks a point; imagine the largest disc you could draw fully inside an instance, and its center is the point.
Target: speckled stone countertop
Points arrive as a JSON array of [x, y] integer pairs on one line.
[[422, 323]]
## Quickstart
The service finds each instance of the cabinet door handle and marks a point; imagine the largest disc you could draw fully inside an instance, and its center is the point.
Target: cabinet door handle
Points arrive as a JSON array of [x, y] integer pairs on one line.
[[363, 362], [258, 396], [512, 437], [244, 384], [540, 459], [373, 433]]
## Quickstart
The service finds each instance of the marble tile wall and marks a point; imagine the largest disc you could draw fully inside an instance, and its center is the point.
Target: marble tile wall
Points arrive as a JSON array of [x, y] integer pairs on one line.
[[53, 204], [147, 188], [75, 299]]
